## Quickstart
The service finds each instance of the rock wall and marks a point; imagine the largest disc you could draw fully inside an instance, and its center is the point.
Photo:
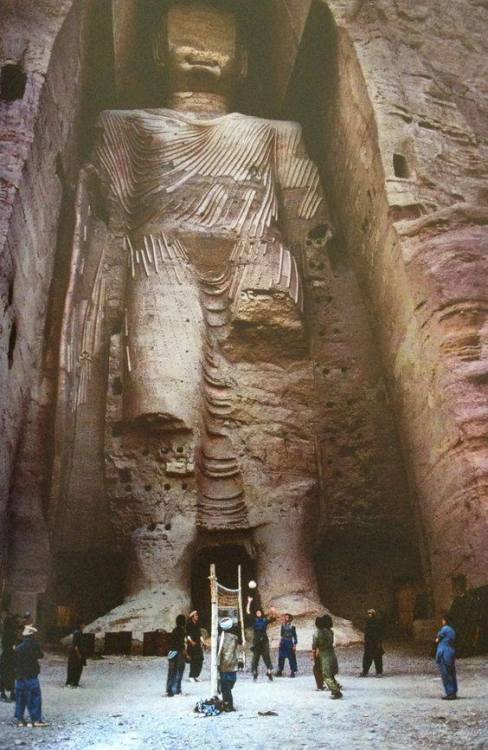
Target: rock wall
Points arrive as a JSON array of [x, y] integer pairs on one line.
[[405, 158], [394, 109]]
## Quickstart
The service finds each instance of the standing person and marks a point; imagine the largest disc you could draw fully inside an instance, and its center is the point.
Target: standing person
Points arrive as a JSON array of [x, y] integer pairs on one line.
[[176, 657], [228, 660], [27, 687], [446, 658], [10, 637], [288, 646], [194, 645], [317, 669], [260, 646], [76, 657], [323, 649], [373, 644]]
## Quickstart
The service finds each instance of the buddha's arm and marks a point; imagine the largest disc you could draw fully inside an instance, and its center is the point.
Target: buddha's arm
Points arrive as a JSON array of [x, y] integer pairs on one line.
[[303, 213]]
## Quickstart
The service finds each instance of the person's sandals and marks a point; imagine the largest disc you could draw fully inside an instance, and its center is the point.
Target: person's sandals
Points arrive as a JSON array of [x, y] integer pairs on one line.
[[38, 724]]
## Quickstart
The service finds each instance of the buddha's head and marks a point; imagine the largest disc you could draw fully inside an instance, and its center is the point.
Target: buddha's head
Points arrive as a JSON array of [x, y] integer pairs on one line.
[[197, 47]]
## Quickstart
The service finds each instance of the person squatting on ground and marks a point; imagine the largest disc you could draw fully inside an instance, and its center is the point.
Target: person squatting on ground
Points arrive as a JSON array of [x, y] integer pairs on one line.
[[10, 637], [288, 646], [446, 658], [260, 645], [27, 687], [373, 644], [76, 657], [227, 660], [323, 650], [195, 645], [176, 657]]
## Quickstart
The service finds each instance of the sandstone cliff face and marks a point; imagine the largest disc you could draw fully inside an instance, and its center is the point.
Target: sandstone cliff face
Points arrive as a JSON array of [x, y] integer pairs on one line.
[[393, 98]]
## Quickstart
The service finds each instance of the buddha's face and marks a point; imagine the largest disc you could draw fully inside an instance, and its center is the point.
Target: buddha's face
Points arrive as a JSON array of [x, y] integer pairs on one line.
[[202, 52]]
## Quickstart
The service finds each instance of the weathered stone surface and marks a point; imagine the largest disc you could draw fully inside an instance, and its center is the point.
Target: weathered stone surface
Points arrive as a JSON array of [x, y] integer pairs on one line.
[[360, 421]]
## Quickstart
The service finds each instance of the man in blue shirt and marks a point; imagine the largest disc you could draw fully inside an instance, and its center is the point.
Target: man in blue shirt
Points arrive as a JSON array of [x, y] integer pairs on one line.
[[446, 658], [260, 646], [288, 646]]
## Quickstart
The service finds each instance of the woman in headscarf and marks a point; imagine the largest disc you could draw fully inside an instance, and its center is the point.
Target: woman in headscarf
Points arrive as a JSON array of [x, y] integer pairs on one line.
[[446, 658], [323, 650]]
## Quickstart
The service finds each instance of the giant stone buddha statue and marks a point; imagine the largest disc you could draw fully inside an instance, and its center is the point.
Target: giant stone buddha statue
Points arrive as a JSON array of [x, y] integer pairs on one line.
[[185, 304]]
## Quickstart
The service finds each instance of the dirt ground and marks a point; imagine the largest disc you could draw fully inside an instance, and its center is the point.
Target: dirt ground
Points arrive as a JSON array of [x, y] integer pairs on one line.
[[120, 705]]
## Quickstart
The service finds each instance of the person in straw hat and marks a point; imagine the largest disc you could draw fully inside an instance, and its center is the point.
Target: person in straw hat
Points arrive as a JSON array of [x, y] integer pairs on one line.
[[27, 687]]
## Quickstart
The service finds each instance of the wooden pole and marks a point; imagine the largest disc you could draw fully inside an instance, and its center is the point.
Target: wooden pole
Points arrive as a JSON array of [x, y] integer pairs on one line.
[[241, 613], [214, 631]]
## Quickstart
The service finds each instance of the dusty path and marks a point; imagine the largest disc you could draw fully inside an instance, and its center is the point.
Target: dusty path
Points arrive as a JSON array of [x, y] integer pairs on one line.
[[120, 706]]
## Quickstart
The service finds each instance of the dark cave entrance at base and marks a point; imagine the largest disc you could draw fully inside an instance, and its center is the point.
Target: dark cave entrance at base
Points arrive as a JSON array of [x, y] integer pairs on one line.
[[227, 558], [88, 584]]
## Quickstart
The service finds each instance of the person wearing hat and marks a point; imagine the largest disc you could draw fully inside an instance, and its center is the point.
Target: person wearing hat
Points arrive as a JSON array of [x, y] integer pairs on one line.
[[194, 640], [227, 660], [373, 644], [27, 687]]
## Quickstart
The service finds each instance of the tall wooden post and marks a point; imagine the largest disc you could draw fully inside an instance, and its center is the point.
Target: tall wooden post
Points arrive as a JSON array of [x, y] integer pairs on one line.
[[214, 631], [241, 612]]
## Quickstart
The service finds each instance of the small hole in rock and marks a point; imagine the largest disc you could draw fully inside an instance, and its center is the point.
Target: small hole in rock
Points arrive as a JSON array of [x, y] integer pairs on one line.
[[400, 166], [151, 526], [167, 526], [184, 486], [125, 475], [11, 344], [179, 449], [12, 82], [148, 487], [117, 386], [167, 486], [10, 296]]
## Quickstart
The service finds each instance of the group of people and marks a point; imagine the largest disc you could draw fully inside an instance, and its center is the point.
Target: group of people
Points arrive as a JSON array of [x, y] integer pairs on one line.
[[186, 645], [19, 661]]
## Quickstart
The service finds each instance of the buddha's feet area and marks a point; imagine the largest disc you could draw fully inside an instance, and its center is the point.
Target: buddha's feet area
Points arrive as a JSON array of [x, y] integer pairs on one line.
[[121, 704]]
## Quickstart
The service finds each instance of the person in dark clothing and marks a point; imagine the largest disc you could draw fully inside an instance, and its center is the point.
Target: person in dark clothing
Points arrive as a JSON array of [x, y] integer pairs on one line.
[[27, 687], [323, 650], [373, 644], [176, 657], [10, 636], [317, 669], [260, 646], [76, 657], [288, 646], [194, 640]]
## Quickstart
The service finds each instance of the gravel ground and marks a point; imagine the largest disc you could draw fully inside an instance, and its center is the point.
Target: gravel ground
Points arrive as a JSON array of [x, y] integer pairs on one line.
[[121, 706]]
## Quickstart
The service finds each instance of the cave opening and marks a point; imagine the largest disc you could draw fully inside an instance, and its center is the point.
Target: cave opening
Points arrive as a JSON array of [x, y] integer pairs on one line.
[[88, 584], [12, 82], [227, 558]]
